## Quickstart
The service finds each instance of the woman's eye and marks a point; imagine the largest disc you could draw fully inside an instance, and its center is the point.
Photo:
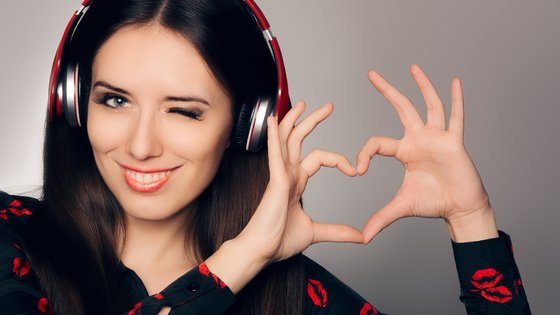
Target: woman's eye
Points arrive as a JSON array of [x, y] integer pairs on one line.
[[114, 101], [186, 112]]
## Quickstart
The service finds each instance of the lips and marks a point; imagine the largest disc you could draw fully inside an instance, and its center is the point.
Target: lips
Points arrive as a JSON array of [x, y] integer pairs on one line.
[[486, 282], [21, 267], [486, 278], [498, 294], [146, 181], [368, 309], [317, 293]]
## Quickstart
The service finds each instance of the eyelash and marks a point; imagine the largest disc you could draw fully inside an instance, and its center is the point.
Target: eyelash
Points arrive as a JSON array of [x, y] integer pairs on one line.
[[185, 112], [104, 99], [107, 97]]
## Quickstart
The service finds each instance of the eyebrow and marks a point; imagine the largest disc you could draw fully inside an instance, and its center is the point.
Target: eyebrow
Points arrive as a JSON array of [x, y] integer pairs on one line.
[[186, 99]]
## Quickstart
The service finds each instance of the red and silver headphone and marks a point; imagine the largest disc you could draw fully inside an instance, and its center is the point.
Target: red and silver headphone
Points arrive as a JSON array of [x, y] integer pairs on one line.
[[250, 130]]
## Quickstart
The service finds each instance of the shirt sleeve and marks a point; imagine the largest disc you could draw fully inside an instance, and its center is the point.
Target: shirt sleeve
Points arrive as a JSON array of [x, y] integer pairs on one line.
[[326, 294], [489, 278], [198, 291]]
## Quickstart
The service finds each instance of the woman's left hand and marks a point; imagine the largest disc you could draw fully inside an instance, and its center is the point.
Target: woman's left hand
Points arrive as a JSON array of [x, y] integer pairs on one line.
[[440, 179]]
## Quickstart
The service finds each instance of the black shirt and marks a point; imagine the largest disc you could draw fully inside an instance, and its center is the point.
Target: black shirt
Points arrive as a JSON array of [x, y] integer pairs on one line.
[[489, 279]]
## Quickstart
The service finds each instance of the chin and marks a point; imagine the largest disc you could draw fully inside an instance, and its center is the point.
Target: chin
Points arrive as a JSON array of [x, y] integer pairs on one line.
[[152, 210]]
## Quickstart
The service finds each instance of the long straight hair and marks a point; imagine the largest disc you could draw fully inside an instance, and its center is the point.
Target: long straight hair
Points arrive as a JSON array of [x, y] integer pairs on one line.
[[71, 243]]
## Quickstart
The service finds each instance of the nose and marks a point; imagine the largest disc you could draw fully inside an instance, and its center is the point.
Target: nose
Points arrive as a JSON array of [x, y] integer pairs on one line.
[[144, 141]]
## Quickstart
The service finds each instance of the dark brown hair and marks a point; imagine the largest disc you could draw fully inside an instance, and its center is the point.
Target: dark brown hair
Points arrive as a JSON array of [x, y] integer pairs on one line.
[[71, 243]]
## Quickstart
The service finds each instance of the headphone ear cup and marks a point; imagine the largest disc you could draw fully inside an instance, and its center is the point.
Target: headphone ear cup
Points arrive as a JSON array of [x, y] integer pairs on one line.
[[242, 126], [251, 129], [70, 94]]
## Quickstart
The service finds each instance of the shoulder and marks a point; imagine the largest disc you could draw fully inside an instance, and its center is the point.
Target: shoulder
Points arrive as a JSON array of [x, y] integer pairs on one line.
[[17, 208], [326, 294], [15, 213], [15, 271]]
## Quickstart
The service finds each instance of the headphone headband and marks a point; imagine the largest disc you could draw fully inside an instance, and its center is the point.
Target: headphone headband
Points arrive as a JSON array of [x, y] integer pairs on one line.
[[63, 79]]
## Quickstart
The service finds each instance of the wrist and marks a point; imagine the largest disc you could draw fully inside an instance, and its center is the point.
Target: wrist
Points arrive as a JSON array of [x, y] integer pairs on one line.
[[475, 226], [235, 264]]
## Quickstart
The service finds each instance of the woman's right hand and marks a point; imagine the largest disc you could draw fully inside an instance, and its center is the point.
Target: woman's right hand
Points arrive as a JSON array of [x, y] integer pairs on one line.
[[280, 228]]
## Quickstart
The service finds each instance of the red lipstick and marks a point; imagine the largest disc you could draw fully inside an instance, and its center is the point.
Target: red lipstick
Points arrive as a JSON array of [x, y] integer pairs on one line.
[[146, 181]]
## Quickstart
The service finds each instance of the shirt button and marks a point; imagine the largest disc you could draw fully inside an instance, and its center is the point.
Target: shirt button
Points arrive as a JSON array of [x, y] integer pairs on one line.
[[193, 286]]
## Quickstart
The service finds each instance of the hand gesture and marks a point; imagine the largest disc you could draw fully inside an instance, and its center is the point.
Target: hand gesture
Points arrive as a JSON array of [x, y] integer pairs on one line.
[[440, 179], [280, 228]]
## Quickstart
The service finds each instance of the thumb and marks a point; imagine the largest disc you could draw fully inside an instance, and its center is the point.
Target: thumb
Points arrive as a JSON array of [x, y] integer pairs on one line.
[[337, 233], [396, 209]]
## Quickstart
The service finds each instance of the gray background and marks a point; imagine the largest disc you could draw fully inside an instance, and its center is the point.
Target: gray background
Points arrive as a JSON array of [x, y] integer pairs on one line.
[[506, 54]]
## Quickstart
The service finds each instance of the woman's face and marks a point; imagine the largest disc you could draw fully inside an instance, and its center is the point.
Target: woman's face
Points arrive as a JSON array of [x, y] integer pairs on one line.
[[158, 121]]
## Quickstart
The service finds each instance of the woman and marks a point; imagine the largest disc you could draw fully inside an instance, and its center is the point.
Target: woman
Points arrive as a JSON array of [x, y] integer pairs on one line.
[[151, 208]]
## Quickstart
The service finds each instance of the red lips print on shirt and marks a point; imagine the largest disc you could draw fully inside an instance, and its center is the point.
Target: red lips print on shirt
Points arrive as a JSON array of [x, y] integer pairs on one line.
[[518, 285], [316, 292], [44, 307], [203, 269], [368, 309], [135, 308], [485, 281], [21, 267], [16, 208]]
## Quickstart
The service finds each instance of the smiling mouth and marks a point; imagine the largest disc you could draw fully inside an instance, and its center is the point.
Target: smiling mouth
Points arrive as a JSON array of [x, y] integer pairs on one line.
[[146, 182]]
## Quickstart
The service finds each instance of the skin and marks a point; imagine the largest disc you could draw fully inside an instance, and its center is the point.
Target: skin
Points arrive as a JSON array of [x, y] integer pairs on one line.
[[152, 63], [440, 182], [144, 130], [440, 179]]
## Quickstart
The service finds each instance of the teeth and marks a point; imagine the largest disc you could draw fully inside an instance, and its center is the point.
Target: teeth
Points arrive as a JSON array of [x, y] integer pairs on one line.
[[147, 178]]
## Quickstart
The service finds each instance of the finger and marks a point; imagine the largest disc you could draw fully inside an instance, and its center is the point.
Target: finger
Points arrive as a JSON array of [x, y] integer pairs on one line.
[[457, 120], [394, 210], [405, 109], [304, 128], [287, 124], [385, 146], [337, 233], [435, 108], [319, 158], [275, 159]]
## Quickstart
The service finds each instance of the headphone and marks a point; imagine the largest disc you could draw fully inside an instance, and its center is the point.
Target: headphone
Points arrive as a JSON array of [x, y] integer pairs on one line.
[[250, 129]]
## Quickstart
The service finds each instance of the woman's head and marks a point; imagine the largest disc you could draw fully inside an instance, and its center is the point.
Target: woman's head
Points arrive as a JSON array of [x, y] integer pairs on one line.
[[158, 120], [177, 72]]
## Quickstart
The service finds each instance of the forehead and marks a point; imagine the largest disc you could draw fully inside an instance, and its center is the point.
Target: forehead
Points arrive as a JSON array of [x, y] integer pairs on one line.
[[136, 56]]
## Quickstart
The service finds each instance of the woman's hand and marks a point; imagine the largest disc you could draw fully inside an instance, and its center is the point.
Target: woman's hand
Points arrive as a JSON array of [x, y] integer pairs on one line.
[[280, 228], [440, 179]]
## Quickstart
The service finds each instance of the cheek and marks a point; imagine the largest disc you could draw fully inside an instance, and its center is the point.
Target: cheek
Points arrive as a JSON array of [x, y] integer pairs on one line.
[[105, 132], [201, 143], [204, 145]]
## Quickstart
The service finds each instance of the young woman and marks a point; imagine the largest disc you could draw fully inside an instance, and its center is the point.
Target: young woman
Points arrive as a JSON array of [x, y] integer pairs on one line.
[[152, 206]]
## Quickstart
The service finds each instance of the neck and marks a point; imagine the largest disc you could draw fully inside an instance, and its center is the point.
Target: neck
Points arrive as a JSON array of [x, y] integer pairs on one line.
[[150, 244]]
